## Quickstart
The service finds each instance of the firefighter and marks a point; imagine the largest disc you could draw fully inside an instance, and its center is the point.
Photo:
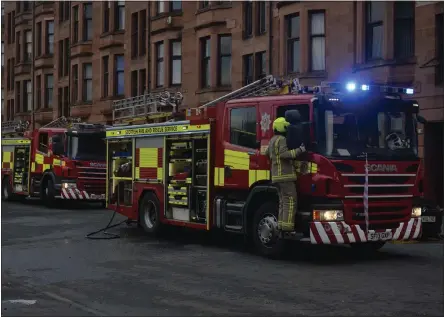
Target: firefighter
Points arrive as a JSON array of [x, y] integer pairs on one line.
[[283, 173]]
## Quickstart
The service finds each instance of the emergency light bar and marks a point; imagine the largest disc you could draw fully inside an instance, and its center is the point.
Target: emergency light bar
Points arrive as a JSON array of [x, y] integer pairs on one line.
[[351, 86]]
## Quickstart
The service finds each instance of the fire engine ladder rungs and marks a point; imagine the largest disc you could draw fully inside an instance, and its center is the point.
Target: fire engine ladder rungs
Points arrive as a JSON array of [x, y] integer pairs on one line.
[[61, 122], [146, 105], [14, 126], [262, 87]]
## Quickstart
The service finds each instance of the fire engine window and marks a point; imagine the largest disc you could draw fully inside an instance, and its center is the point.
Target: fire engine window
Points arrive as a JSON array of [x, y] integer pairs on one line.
[[43, 142], [243, 127], [304, 111]]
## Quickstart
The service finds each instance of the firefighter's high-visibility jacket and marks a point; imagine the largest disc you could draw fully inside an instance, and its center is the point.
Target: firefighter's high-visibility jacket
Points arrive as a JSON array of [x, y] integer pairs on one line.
[[282, 159]]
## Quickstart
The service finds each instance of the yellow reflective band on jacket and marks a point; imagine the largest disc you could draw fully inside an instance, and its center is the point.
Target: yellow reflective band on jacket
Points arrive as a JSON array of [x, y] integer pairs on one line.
[[282, 160]]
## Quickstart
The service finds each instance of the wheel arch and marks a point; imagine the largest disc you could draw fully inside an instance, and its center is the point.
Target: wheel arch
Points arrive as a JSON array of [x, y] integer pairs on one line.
[[258, 195]]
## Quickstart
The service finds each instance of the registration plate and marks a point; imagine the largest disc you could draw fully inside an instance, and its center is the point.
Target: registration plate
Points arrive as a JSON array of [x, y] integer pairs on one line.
[[428, 219], [97, 197], [380, 236]]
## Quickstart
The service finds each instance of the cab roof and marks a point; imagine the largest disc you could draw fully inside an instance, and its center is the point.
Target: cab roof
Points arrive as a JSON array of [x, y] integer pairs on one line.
[[300, 97]]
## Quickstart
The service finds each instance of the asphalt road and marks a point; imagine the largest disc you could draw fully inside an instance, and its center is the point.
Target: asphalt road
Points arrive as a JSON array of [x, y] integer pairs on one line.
[[49, 268]]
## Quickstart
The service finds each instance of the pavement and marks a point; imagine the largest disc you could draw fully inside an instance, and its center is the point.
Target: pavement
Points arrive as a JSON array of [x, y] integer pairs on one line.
[[49, 268]]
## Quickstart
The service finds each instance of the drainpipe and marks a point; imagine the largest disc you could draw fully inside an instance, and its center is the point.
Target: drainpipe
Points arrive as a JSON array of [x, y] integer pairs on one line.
[[32, 67], [68, 55], [148, 86], [270, 37]]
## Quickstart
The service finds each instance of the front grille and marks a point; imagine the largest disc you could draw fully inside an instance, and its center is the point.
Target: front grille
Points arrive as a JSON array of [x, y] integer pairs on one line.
[[92, 179], [381, 217], [381, 180], [380, 190]]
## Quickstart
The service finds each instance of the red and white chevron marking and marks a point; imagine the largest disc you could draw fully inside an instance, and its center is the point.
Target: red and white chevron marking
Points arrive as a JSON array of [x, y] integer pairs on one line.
[[70, 193], [342, 233]]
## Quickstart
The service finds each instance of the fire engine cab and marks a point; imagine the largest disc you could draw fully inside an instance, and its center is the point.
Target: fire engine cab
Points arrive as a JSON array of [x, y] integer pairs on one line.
[[207, 171], [61, 160]]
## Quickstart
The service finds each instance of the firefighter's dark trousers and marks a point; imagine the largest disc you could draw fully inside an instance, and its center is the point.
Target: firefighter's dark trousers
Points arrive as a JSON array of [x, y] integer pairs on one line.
[[287, 205]]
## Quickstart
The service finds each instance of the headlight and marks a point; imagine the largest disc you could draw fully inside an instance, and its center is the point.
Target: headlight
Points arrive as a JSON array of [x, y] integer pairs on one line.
[[328, 215], [416, 211], [69, 185]]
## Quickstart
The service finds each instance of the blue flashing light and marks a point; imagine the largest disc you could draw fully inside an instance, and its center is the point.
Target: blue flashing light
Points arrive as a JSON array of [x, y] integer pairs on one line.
[[409, 91], [365, 87], [350, 86]]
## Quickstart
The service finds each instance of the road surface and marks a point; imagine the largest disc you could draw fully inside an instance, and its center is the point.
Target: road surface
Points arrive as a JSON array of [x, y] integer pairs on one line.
[[50, 268]]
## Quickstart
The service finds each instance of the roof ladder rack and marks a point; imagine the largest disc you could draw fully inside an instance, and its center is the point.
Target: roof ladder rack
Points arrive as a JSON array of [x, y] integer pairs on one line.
[[62, 122], [9, 127], [268, 85], [149, 105]]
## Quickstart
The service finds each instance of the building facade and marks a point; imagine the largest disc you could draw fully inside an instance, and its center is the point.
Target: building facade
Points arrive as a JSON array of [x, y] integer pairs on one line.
[[74, 58]]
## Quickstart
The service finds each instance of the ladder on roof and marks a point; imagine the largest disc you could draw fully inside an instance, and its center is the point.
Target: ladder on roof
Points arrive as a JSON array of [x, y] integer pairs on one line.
[[149, 105], [11, 127], [268, 85], [62, 122]]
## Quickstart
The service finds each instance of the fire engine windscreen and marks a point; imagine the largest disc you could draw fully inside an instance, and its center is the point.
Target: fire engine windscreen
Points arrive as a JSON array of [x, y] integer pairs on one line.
[[88, 146], [381, 133]]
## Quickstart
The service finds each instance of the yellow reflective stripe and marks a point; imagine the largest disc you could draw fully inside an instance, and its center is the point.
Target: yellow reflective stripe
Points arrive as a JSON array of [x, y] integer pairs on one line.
[[32, 167], [237, 160], [290, 212], [257, 175], [7, 157], [276, 152], [219, 176], [16, 142], [39, 158], [293, 153], [137, 172], [46, 167], [160, 173], [148, 157], [157, 129]]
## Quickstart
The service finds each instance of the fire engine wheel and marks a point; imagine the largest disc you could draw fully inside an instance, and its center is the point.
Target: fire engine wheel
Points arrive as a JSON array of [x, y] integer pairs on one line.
[[6, 189], [149, 211], [265, 231]]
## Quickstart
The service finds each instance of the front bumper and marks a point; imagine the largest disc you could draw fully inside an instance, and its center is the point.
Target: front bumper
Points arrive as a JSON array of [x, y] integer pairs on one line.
[[341, 233], [76, 194]]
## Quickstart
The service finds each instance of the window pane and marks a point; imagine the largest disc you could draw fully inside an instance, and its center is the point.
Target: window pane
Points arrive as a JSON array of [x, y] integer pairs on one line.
[[88, 11], [176, 5], [225, 45], [88, 71], [243, 127], [294, 56], [206, 73], [376, 11], [49, 81], [207, 48], [293, 27], [377, 38], [318, 53], [317, 24], [88, 90], [28, 37], [160, 50], [161, 6], [404, 38], [120, 65], [404, 9], [177, 72], [160, 77], [120, 84], [51, 27], [177, 48], [225, 71]]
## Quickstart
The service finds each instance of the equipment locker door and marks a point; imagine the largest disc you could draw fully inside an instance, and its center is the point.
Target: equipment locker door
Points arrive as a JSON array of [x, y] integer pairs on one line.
[[241, 146]]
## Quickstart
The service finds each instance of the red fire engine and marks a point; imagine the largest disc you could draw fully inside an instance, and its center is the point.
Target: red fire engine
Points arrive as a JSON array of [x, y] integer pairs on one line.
[[61, 160], [207, 171]]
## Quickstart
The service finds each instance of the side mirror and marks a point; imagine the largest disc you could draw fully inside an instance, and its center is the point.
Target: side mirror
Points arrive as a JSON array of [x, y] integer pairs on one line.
[[421, 119]]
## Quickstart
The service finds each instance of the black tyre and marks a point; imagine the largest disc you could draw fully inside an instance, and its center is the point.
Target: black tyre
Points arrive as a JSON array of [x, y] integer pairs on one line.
[[6, 189], [48, 194], [265, 231], [368, 248], [149, 213]]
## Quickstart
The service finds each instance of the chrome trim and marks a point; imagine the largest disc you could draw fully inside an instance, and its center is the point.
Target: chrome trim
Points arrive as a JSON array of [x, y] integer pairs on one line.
[[381, 185], [379, 175], [379, 196]]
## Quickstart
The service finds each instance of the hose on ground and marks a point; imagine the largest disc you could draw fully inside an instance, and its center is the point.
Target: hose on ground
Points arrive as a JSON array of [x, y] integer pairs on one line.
[[107, 235]]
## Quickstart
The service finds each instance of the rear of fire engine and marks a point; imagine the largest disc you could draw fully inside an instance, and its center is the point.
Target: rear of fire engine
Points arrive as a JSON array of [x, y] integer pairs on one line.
[[15, 159], [194, 173]]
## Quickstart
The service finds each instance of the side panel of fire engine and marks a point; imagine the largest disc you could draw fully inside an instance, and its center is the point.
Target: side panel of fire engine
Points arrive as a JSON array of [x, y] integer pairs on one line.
[[15, 164]]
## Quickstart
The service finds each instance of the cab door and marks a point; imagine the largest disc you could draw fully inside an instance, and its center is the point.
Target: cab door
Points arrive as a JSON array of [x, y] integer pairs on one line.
[[241, 146]]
